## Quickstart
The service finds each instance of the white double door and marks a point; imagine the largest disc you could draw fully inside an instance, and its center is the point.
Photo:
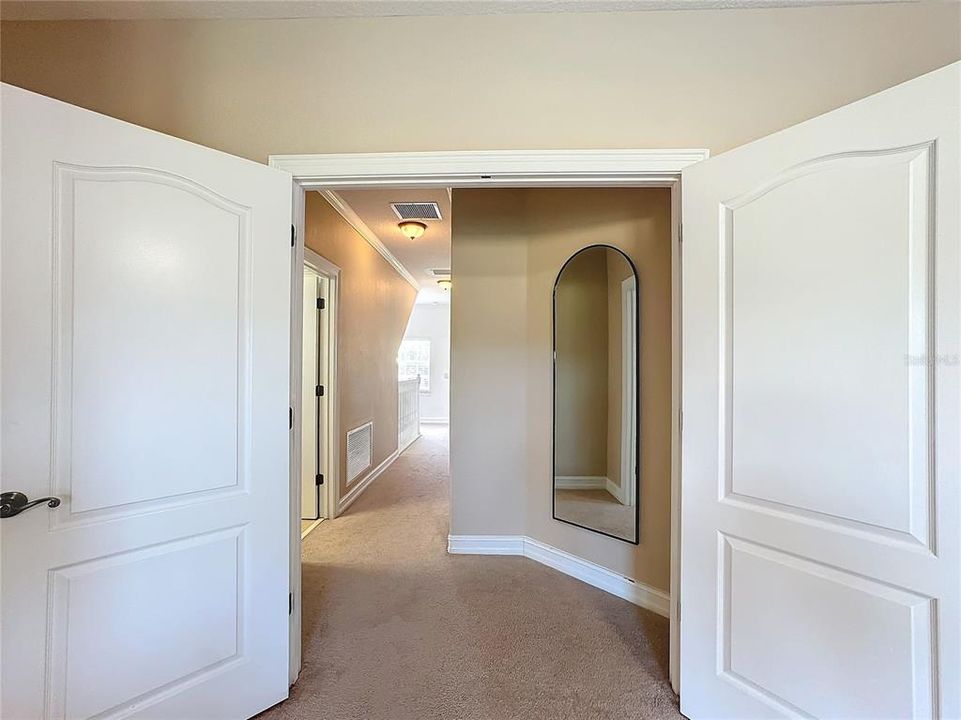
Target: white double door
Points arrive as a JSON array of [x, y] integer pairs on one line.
[[145, 335], [821, 540]]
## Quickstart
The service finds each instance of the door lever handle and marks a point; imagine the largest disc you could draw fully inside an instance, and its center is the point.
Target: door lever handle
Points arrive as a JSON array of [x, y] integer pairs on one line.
[[14, 503]]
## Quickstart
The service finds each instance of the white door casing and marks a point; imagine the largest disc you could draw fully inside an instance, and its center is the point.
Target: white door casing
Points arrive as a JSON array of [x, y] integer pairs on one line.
[[145, 373], [325, 430], [310, 495], [820, 501]]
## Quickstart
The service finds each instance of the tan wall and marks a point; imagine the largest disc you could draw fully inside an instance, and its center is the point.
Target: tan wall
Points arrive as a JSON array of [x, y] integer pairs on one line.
[[712, 79], [581, 367], [375, 304], [508, 246], [489, 449]]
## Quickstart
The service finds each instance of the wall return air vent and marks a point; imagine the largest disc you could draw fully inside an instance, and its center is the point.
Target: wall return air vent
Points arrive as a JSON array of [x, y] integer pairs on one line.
[[416, 210], [360, 442]]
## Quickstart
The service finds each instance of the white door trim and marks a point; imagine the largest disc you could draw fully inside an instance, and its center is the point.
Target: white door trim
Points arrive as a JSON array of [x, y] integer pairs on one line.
[[327, 269], [298, 203], [300, 257], [507, 168], [489, 168]]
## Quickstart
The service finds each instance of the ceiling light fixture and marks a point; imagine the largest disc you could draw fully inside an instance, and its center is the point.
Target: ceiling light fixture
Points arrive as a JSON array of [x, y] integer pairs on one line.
[[412, 229], [445, 285]]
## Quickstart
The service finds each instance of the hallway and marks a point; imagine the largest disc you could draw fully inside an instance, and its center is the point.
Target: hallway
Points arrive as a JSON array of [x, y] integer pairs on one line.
[[394, 627]]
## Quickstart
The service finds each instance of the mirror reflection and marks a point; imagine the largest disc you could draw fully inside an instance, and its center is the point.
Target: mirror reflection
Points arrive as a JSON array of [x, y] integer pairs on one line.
[[596, 393]]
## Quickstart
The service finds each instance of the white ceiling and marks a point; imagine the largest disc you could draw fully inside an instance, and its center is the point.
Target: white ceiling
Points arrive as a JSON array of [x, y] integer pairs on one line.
[[264, 9], [430, 250]]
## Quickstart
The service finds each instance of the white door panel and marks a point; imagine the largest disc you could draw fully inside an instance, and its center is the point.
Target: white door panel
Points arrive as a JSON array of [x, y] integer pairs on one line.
[[820, 548], [145, 378]]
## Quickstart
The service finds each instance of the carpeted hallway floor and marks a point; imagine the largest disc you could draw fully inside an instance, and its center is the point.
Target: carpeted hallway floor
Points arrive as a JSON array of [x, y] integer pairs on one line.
[[396, 628]]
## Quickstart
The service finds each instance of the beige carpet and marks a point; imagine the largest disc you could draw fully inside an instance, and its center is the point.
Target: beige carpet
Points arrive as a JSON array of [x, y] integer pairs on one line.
[[396, 628]]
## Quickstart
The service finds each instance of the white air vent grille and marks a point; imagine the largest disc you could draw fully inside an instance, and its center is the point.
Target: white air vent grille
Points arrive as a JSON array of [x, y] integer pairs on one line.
[[438, 272], [359, 443], [416, 210]]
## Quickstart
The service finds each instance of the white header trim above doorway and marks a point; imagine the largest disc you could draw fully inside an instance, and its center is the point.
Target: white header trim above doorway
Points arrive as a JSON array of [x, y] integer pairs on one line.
[[488, 168]]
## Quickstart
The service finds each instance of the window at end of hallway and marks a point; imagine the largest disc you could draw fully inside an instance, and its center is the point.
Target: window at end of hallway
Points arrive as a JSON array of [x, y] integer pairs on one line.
[[413, 360]]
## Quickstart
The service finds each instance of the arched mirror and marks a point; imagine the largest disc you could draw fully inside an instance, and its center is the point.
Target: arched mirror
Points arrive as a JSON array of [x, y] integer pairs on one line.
[[597, 393]]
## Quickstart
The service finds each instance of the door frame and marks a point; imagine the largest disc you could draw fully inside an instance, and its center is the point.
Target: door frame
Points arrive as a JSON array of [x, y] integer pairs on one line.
[[491, 169], [330, 458]]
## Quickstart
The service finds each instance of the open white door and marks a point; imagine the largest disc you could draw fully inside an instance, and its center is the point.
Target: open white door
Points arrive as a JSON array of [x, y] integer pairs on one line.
[[821, 547], [146, 336]]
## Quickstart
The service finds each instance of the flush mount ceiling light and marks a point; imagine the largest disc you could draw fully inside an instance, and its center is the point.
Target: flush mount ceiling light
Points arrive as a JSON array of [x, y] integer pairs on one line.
[[412, 228], [445, 285]]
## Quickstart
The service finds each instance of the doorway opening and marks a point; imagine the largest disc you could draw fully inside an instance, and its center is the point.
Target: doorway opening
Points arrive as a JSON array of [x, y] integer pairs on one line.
[[424, 360], [483, 169], [318, 447]]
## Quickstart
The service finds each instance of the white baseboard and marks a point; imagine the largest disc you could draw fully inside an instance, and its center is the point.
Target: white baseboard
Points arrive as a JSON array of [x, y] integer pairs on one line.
[[485, 544], [433, 421], [360, 485], [581, 482], [586, 571]]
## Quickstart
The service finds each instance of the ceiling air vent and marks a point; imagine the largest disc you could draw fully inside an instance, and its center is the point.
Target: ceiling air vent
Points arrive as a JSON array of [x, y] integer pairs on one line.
[[438, 272], [416, 210]]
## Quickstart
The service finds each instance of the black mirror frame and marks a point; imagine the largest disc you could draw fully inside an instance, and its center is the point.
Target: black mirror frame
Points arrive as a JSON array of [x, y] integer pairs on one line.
[[637, 395]]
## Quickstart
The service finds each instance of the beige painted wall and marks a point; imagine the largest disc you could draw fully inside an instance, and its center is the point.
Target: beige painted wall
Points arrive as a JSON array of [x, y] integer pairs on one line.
[[508, 246], [375, 304], [712, 79], [581, 367], [488, 397]]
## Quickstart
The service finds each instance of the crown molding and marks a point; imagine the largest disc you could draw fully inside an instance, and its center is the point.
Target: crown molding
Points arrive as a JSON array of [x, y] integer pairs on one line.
[[353, 219]]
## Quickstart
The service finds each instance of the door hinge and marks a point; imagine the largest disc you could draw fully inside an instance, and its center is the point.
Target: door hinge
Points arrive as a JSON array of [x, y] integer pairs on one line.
[[321, 304], [319, 479], [319, 391], [680, 232], [290, 418], [290, 603], [680, 421], [293, 236]]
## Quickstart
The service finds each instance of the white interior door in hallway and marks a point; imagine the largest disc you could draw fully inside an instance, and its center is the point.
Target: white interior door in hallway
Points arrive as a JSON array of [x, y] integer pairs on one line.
[[146, 335], [821, 541], [315, 412]]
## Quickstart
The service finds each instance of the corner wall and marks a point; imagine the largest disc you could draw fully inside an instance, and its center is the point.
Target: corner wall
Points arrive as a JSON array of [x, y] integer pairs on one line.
[[374, 306], [488, 342], [508, 246]]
